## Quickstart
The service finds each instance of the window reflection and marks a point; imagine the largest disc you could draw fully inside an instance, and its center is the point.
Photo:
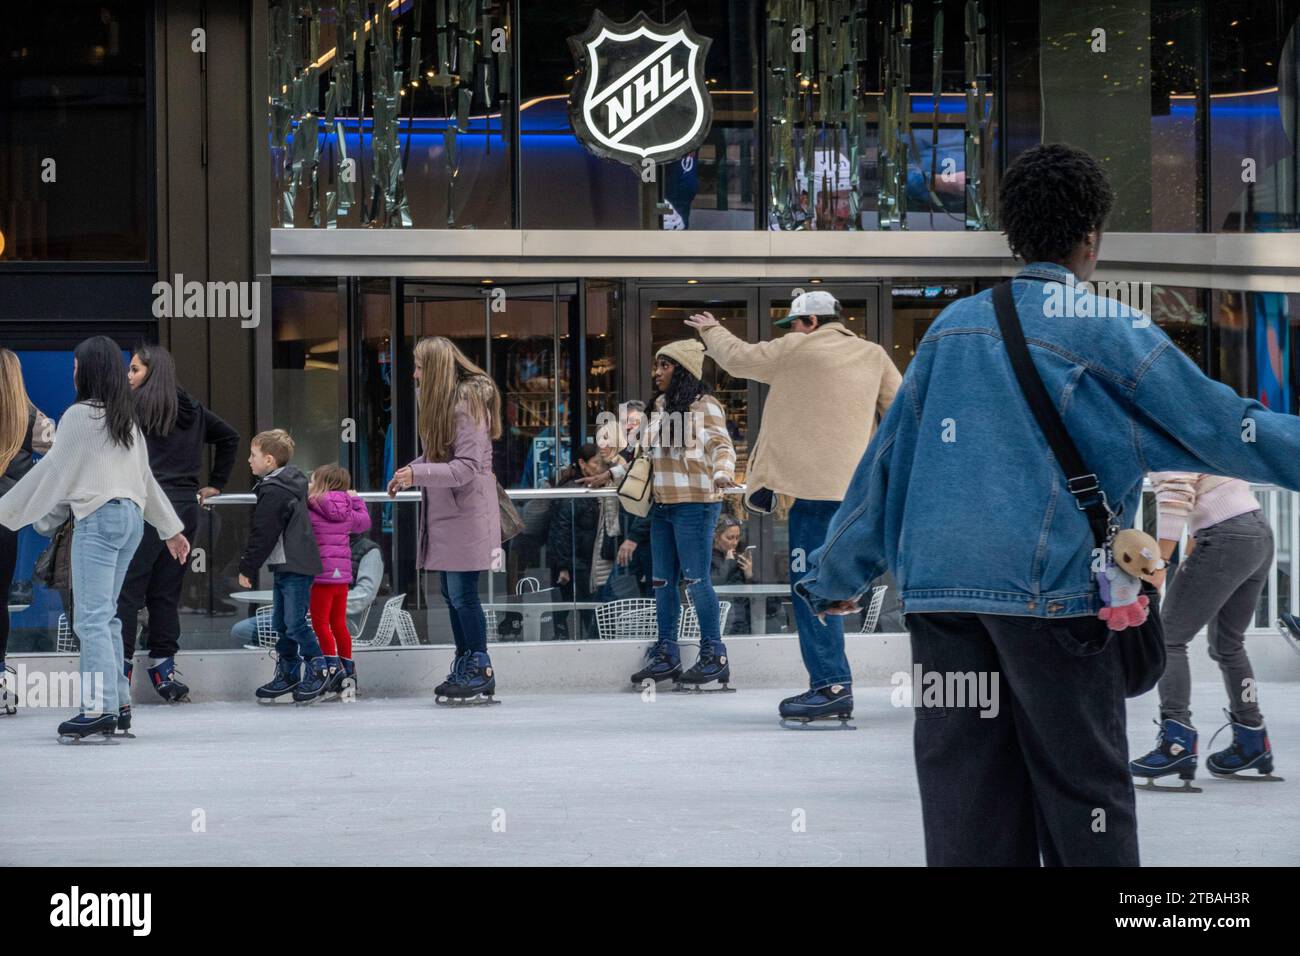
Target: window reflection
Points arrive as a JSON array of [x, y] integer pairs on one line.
[[305, 367]]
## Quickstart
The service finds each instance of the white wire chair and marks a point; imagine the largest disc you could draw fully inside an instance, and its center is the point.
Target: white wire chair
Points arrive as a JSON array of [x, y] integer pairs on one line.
[[688, 629], [395, 621], [627, 619], [65, 642], [872, 617], [266, 635]]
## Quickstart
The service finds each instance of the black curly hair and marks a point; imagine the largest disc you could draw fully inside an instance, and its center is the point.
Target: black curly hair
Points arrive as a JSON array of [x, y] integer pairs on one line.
[[1052, 196]]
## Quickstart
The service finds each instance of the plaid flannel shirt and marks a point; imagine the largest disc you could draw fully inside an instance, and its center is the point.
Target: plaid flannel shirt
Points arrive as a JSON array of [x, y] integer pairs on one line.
[[689, 452]]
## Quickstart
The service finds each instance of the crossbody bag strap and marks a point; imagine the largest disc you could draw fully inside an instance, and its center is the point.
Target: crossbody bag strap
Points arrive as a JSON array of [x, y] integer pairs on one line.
[[1081, 482]]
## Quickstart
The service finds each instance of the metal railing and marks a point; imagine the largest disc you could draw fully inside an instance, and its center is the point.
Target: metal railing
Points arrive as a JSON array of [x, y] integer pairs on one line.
[[1281, 510]]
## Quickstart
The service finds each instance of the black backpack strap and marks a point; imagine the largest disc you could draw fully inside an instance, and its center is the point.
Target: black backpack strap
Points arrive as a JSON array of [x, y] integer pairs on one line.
[[1080, 482]]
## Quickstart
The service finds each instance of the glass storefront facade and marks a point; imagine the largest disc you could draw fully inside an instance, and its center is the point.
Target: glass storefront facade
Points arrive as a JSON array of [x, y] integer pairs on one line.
[[827, 114]]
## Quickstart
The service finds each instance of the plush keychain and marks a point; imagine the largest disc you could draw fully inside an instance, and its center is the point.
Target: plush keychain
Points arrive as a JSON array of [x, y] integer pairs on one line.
[[1131, 556]]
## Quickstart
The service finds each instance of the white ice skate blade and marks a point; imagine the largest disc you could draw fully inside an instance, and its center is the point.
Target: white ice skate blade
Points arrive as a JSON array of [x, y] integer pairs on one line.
[[1247, 776], [1150, 786], [817, 723]]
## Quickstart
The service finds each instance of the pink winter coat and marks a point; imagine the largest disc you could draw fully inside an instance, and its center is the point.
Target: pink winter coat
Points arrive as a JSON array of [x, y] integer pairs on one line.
[[460, 519], [335, 517]]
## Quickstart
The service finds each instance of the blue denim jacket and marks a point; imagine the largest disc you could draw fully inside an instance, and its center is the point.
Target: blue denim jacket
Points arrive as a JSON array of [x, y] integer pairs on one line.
[[958, 494]]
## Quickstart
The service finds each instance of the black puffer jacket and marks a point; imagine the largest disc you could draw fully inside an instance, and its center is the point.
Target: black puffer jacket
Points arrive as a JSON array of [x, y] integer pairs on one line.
[[572, 534], [280, 517], [22, 462]]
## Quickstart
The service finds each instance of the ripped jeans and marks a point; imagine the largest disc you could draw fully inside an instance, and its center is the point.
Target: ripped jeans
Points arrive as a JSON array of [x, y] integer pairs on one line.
[[681, 545]]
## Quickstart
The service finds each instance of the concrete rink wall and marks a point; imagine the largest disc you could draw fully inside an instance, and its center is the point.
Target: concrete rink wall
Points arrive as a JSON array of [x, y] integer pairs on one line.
[[597, 666]]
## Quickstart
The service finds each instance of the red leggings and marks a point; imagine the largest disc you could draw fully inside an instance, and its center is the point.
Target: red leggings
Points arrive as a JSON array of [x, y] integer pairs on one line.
[[329, 619]]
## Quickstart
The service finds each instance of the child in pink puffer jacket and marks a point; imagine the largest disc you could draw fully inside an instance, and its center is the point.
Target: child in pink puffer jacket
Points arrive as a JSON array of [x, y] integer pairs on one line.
[[336, 513]]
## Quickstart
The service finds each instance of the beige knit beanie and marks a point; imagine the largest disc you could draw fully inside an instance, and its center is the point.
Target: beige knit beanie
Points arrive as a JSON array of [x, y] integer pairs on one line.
[[688, 353]]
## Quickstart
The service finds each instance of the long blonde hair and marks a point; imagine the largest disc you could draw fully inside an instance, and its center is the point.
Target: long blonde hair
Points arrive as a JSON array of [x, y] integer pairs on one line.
[[15, 408], [448, 380]]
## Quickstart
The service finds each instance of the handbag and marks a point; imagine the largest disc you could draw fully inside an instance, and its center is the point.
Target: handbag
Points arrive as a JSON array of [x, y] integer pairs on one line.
[[636, 490], [511, 521], [1143, 653], [53, 567]]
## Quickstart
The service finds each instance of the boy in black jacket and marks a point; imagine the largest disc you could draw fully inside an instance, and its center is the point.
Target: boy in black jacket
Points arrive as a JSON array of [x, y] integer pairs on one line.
[[280, 535]]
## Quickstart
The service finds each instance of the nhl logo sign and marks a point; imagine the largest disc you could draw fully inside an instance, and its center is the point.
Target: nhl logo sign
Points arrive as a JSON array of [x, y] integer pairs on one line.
[[639, 91]]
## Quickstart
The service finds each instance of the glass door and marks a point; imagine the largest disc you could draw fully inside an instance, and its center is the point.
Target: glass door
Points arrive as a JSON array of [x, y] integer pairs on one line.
[[664, 313]]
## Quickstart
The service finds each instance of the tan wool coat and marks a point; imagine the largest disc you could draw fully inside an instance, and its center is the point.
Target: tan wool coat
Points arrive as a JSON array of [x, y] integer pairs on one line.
[[827, 388]]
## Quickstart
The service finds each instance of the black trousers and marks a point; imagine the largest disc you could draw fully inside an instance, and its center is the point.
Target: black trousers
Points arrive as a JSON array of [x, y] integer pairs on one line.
[[154, 581], [8, 561], [1046, 779]]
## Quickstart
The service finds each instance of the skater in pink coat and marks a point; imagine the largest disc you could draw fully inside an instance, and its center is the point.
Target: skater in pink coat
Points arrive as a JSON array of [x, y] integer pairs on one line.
[[460, 519]]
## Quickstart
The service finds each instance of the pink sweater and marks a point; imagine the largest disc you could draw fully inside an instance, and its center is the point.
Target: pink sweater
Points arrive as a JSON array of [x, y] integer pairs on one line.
[[1197, 501]]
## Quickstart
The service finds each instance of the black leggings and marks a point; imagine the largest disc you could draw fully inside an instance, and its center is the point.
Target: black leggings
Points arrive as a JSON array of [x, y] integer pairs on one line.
[[8, 560]]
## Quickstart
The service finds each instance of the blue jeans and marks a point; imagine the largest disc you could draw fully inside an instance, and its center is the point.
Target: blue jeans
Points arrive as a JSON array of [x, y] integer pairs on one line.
[[468, 626], [289, 606], [681, 548], [103, 544], [822, 645]]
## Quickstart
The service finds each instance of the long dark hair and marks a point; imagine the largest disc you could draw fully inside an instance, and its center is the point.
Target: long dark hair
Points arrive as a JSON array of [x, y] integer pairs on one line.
[[683, 389], [101, 380], [155, 400]]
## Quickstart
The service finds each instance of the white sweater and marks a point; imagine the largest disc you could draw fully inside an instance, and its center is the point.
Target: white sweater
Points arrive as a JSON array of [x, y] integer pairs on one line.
[[84, 470]]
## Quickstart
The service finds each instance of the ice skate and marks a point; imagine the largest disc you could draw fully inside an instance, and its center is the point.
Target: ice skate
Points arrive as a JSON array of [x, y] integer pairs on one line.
[[816, 708], [287, 677], [124, 723], [315, 680], [1250, 751], [473, 684], [662, 662], [333, 679], [8, 697], [712, 666], [1288, 625], [88, 728], [1175, 753], [347, 685], [163, 675], [457, 663]]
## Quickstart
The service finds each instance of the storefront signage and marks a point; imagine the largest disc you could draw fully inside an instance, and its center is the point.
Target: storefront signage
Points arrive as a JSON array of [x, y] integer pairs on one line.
[[638, 91]]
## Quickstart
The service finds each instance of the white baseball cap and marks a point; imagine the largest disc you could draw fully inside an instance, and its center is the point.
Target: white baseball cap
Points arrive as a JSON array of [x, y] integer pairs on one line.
[[817, 303]]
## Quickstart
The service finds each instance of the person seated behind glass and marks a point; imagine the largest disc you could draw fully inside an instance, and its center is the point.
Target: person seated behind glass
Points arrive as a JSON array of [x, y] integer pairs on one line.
[[367, 573], [732, 566]]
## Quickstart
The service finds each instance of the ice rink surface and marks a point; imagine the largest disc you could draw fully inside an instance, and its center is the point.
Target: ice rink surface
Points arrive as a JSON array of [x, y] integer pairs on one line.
[[552, 780]]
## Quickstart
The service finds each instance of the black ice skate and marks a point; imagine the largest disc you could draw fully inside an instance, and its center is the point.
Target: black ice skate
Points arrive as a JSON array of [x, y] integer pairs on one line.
[[8, 696], [287, 677], [474, 684], [165, 679], [711, 666], [1174, 753], [124, 723], [1249, 758], [457, 663], [815, 709], [662, 662], [97, 728], [314, 683]]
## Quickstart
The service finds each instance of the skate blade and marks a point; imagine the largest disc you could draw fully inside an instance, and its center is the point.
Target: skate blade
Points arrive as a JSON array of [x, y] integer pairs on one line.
[[1246, 776], [1151, 786], [124, 733], [100, 738], [682, 688], [817, 723], [477, 701]]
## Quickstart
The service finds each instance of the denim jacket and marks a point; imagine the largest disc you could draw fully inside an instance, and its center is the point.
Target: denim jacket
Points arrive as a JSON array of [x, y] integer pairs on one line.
[[959, 495]]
